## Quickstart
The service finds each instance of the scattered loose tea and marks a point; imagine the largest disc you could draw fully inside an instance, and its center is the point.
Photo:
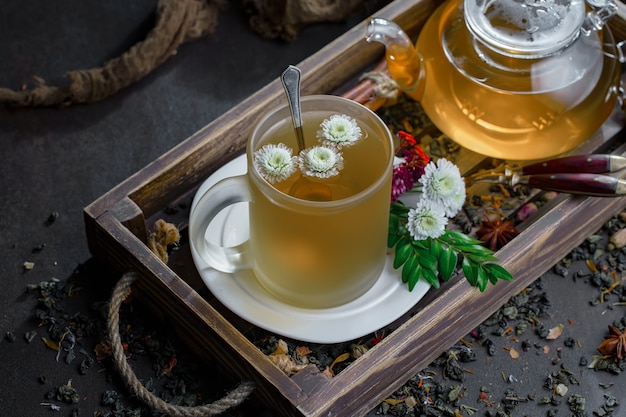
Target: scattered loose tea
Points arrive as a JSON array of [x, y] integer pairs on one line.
[[29, 336], [109, 397], [555, 332], [67, 394], [52, 218], [51, 406]]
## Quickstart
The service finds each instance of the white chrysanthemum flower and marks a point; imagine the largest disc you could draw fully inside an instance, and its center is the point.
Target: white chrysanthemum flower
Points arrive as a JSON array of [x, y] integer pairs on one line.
[[340, 130], [275, 163], [442, 183], [320, 161], [426, 220], [456, 202]]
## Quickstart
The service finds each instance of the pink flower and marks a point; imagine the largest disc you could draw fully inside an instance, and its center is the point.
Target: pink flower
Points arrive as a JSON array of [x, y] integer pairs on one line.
[[401, 182], [407, 173]]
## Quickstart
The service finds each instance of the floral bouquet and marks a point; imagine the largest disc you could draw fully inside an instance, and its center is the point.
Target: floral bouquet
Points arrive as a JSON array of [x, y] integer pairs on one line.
[[424, 248]]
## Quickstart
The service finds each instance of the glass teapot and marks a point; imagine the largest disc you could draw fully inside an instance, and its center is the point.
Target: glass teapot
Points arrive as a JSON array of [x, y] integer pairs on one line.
[[511, 79]]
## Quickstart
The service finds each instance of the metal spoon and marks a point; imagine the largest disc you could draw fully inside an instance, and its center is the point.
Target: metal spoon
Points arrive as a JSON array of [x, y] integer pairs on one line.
[[290, 79]]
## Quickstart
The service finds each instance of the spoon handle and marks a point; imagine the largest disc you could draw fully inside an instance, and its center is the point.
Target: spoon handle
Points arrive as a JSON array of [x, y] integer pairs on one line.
[[290, 79]]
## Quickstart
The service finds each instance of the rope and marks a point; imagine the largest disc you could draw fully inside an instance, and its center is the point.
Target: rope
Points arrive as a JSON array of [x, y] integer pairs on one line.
[[177, 22], [165, 234], [232, 399], [386, 87]]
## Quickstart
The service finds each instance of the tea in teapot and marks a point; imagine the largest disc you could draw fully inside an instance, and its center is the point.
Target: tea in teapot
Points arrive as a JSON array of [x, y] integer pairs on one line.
[[511, 79]]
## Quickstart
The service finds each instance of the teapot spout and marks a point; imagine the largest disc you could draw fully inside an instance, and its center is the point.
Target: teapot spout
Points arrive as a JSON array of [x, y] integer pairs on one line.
[[403, 61]]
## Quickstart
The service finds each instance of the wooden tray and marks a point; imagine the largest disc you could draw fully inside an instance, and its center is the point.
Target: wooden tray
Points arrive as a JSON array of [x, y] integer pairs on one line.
[[118, 223]]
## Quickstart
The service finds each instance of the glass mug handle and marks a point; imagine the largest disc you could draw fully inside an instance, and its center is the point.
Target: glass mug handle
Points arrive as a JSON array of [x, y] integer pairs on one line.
[[221, 195]]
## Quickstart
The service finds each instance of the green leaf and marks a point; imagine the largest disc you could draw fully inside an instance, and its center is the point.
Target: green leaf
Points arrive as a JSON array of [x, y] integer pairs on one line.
[[394, 222], [435, 248], [422, 245], [447, 262], [474, 249], [455, 238], [480, 258], [470, 269], [430, 277], [428, 261], [396, 230], [412, 272], [498, 273], [481, 278], [409, 267], [399, 208], [403, 251]]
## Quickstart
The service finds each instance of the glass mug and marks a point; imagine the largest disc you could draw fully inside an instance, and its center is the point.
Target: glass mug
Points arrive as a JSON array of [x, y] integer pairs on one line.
[[325, 247]]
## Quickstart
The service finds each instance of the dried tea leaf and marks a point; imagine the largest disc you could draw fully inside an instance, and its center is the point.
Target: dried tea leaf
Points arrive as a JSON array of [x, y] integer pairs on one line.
[[29, 336], [341, 358], [103, 350], [50, 344], [591, 265], [410, 402], [555, 332], [303, 350], [281, 358], [286, 364], [394, 401], [454, 393], [561, 389], [357, 350], [281, 348]]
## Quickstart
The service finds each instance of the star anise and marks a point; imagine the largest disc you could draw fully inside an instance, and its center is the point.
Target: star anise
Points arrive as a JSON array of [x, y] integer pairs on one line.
[[614, 343], [495, 233]]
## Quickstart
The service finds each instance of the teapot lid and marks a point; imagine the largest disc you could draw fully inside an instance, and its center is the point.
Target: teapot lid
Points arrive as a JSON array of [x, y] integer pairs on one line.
[[525, 28]]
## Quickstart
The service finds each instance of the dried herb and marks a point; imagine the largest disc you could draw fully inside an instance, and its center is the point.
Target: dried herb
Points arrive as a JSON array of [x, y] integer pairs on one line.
[[614, 344], [435, 259], [67, 394]]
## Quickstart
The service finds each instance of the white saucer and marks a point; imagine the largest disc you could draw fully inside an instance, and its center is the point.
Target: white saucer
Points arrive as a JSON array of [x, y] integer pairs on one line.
[[386, 301]]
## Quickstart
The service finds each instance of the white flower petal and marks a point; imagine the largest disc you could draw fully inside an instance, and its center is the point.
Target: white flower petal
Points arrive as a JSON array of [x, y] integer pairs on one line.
[[442, 183], [426, 220], [339, 130], [455, 203], [320, 161], [275, 163]]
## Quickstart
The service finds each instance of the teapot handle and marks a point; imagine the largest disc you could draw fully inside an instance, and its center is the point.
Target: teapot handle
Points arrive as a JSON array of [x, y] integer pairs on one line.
[[403, 61]]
